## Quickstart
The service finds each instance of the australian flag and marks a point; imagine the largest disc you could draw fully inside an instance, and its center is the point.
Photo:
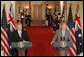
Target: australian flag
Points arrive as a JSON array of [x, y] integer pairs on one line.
[[78, 33], [10, 28]]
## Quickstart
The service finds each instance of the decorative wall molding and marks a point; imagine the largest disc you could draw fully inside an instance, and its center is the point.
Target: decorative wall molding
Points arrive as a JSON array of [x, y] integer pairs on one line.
[[36, 2]]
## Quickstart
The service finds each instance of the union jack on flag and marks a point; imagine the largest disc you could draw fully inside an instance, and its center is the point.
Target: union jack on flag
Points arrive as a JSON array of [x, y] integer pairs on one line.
[[11, 21], [10, 28]]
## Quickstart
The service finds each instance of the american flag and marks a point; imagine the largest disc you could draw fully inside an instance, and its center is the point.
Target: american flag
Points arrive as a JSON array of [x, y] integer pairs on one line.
[[78, 33], [19, 15], [10, 28], [46, 10], [54, 15], [57, 21], [4, 35], [71, 29]]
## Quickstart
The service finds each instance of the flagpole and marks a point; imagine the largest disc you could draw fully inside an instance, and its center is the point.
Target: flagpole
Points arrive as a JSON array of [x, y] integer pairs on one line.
[[22, 24]]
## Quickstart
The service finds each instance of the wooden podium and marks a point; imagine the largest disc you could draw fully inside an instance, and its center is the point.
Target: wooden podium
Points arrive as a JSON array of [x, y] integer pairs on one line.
[[57, 45], [22, 48]]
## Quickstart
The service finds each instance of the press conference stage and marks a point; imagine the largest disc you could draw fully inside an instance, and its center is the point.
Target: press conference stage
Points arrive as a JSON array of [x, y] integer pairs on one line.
[[41, 28]]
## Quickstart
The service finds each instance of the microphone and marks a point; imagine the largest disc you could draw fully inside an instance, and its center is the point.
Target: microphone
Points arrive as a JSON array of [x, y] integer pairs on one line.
[[62, 38]]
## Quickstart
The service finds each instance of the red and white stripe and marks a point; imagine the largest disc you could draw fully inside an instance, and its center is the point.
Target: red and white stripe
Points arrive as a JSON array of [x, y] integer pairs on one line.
[[4, 41], [72, 50]]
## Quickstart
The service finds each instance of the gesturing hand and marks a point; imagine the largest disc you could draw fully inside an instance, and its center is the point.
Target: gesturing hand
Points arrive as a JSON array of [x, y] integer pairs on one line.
[[24, 41]]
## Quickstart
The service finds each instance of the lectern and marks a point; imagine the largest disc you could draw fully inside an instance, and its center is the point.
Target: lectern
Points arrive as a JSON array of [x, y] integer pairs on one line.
[[21, 47], [61, 46]]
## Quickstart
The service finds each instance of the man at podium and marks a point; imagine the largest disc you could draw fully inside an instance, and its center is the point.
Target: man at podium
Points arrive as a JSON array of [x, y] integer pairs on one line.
[[62, 35], [17, 37]]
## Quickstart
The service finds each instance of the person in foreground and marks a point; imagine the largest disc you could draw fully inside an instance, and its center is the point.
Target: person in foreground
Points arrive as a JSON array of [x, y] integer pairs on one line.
[[62, 34], [17, 37]]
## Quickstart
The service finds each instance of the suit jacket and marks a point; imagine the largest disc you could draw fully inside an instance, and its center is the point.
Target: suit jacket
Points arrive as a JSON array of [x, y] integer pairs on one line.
[[16, 38], [58, 36]]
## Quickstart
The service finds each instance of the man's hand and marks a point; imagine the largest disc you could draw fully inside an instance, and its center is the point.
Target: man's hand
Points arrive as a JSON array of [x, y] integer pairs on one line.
[[24, 41], [52, 42]]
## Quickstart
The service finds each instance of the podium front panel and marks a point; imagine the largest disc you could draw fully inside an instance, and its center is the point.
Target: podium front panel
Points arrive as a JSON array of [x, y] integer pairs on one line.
[[27, 44], [57, 44]]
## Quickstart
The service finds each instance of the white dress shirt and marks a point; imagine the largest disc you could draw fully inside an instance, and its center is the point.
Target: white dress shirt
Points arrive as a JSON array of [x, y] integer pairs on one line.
[[20, 33], [63, 33]]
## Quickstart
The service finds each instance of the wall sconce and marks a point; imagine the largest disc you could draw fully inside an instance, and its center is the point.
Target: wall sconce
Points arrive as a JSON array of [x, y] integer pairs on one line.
[[27, 7], [49, 7], [61, 5]]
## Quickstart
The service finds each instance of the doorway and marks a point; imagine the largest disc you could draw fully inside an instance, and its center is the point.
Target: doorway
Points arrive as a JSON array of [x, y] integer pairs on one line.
[[36, 11]]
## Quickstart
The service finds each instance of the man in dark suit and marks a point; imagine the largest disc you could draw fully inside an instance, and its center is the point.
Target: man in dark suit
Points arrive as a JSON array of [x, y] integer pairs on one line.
[[17, 37]]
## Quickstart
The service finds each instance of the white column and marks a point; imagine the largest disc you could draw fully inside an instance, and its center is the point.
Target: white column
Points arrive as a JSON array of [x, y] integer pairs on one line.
[[61, 6], [13, 2]]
